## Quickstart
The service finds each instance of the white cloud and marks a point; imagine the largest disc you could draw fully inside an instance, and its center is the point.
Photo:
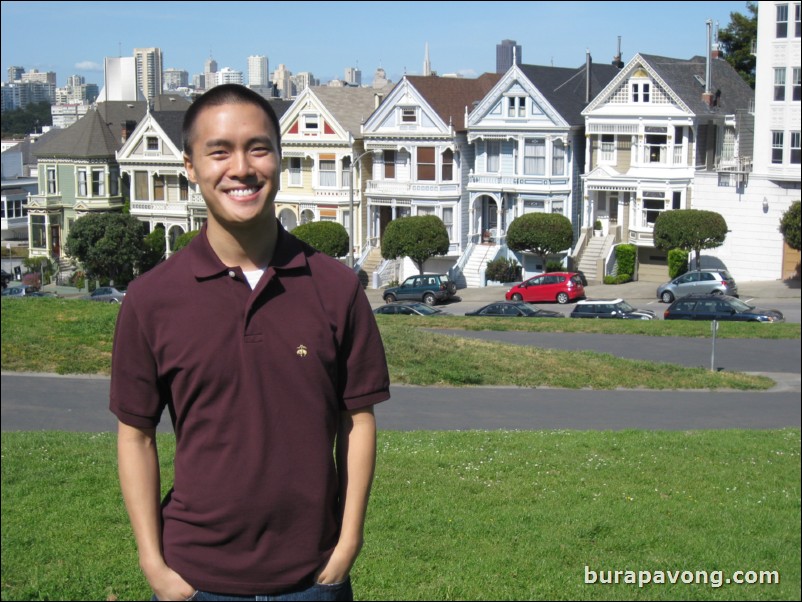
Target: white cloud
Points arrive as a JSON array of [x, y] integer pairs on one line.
[[88, 66]]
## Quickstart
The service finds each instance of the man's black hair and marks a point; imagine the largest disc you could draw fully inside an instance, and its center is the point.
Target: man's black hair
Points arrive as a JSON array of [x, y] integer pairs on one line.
[[221, 95]]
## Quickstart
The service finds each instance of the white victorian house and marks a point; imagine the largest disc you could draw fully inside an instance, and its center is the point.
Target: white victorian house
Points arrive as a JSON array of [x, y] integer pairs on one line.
[[421, 159], [527, 137], [657, 124]]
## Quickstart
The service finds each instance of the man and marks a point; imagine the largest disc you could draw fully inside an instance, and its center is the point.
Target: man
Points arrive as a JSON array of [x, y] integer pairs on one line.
[[265, 352]]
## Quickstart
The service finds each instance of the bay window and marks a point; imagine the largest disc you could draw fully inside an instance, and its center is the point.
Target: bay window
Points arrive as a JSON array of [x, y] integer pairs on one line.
[[535, 156], [426, 163]]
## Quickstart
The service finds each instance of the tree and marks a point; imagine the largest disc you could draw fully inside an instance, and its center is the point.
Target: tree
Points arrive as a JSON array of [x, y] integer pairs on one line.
[[543, 234], [790, 226], [330, 238], [183, 240], [689, 230], [30, 120], [109, 245], [737, 40], [155, 248], [419, 238]]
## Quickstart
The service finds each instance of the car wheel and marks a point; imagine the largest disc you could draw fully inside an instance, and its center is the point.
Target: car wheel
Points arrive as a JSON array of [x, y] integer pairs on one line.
[[389, 299], [429, 299], [716, 292], [666, 297], [517, 297], [562, 298]]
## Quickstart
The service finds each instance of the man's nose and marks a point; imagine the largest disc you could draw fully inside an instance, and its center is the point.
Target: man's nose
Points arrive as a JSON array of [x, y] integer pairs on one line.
[[240, 165]]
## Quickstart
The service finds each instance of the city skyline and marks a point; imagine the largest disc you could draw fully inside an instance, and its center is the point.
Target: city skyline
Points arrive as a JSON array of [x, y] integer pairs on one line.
[[316, 37]]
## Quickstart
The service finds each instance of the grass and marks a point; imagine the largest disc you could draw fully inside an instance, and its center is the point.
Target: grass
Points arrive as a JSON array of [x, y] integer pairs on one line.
[[75, 337], [460, 515]]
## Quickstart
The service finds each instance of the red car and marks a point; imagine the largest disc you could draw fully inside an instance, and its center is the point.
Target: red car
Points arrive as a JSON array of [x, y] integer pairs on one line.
[[561, 287]]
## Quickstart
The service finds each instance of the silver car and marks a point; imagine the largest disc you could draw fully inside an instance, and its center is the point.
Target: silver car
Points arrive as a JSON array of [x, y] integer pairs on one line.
[[107, 294], [717, 282]]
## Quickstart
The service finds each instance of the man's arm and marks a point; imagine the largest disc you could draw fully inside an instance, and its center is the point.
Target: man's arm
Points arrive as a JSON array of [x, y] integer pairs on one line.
[[356, 461], [138, 464]]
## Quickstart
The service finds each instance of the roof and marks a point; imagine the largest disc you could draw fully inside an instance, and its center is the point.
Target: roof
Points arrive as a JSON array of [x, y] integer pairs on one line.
[[686, 78], [172, 122], [451, 96], [280, 106], [350, 106], [564, 88], [89, 137]]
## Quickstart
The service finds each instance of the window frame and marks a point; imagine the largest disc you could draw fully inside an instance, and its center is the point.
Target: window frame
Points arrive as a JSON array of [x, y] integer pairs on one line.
[[779, 84], [51, 179], [796, 148], [389, 160], [777, 142], [781, 30], [98, 182], [447, 165], [83, 188], [152, 144], [294, 177], [426, 164], [327, 172], [558, 157]]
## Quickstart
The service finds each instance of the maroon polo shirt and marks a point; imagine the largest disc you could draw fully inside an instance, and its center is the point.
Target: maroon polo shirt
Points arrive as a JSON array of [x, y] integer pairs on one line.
[[254, 381]]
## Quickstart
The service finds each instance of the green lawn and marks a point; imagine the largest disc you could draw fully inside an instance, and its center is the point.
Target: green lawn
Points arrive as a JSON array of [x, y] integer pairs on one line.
[[461, 515]]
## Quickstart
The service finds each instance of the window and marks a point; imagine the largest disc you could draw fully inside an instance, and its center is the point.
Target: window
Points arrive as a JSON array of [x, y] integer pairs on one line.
[[776, 147], [558, 158], [676, 200], [38, 232], [295, 171], [448, 220], [141, 191], [158, 188], [607, 148], [656, 146], [409, 115], [51, 180], [448, 165], [152, 143], [516, 106], [388, 157], [114, 181], [493, 151], [651, 209], [782, 20], [534, 156], [328, 170], [345, 169], [795, 147], [81, 182], [98, 182], [779, 84], [183, 188], [797, 24], [311, 123], [641, 92], [426, 163], [796, 84]]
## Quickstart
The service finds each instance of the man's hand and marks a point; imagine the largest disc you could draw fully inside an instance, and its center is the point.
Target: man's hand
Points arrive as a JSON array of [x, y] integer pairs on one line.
[[167, 584]]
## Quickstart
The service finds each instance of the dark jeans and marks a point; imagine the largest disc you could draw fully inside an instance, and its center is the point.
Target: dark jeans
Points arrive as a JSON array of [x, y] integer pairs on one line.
[[336, 592]]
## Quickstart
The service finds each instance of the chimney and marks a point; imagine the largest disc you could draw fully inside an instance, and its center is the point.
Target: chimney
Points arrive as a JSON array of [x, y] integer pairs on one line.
[[126, 129], [617, 62], [588, 61], [707, 96], [716, 52]]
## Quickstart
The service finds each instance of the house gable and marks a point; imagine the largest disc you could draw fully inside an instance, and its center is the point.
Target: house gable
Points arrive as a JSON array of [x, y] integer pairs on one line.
[[405, 112], [309, 120], [150, 143]]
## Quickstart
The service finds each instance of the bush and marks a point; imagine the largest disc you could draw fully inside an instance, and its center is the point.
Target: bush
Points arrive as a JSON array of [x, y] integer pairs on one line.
[[330, 238], [618, 279], [503, 270], [625, 258], [677, 262], [78, 280], [183, 240], [32, 279], [554, 266]]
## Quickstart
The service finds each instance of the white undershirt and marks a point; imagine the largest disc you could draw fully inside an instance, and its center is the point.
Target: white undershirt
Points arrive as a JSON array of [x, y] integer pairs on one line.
[[253, 277]]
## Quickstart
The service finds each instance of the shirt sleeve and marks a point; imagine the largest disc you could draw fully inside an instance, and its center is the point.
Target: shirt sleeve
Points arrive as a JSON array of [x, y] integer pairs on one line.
[[366, 380], [136, 397]]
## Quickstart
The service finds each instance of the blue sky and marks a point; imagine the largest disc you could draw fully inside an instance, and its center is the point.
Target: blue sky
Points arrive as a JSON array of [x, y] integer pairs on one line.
[[326, 37]]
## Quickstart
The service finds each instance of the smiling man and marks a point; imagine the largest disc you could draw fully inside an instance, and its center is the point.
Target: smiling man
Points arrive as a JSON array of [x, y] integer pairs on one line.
[[267, 356]]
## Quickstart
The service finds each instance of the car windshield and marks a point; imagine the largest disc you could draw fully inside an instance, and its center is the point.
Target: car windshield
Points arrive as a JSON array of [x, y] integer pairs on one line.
[[739, 305], [425, 310], [526, 310], [624, 306]]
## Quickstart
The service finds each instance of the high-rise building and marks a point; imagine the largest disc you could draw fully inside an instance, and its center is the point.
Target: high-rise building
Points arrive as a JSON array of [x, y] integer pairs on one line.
[[15, 74], [175, 78], [353, 76], [227, 75], [42, 77], [258, 74], [148, 71], [120, 80], [427, 64], [507, 52], [209, 73], [282, 78]]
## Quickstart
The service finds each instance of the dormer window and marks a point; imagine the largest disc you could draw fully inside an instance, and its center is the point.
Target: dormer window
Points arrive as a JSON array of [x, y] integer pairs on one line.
[[152, 144], [516, 106], [311, 123], [641, 87]]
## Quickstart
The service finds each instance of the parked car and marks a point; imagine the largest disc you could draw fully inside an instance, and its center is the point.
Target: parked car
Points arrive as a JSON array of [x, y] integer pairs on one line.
[[407, 308], [19, 291], [698, 281], [561, 287], [6, 278], [514, 309], [107, 294], [610, 308], [429, 288], [719, 307]]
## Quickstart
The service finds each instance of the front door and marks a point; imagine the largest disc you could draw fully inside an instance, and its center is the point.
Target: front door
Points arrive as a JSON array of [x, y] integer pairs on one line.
[[55, 241]]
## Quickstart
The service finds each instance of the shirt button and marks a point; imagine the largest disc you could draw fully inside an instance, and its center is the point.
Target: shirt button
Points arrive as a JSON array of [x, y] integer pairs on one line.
[[232, 273]]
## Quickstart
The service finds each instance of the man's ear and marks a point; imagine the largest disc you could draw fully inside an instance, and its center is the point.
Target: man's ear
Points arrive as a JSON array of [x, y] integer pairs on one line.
[[190, 168]]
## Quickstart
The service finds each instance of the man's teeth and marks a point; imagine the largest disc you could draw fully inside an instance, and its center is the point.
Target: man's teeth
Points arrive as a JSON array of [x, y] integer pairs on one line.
[[242, 192]]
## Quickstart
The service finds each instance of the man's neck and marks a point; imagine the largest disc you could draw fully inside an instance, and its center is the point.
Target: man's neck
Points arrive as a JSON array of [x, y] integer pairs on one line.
[[249, 248]]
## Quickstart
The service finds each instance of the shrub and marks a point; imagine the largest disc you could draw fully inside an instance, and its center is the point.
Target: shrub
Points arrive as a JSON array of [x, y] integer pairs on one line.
[[625, 257], [617, 279], [32, 279], [503, 270], [677, 262], [330, 238], [790, 226], [554, 266], [183, 240]]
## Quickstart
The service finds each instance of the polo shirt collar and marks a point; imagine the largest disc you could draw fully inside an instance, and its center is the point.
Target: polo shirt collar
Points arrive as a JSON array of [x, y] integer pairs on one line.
[[288, 255]]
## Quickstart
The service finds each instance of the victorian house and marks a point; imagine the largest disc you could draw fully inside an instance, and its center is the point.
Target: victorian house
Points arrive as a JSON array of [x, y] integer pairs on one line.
[[657, 125], [321, 143], [78, 174], [527, 136], [418, 138]]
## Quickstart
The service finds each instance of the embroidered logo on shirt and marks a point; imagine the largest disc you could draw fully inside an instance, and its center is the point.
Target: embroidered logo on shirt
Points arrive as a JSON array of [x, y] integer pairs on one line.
[[301, 351]]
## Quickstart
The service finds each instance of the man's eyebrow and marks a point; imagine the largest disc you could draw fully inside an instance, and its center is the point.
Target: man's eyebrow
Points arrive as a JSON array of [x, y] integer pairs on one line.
[[214, 142]]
